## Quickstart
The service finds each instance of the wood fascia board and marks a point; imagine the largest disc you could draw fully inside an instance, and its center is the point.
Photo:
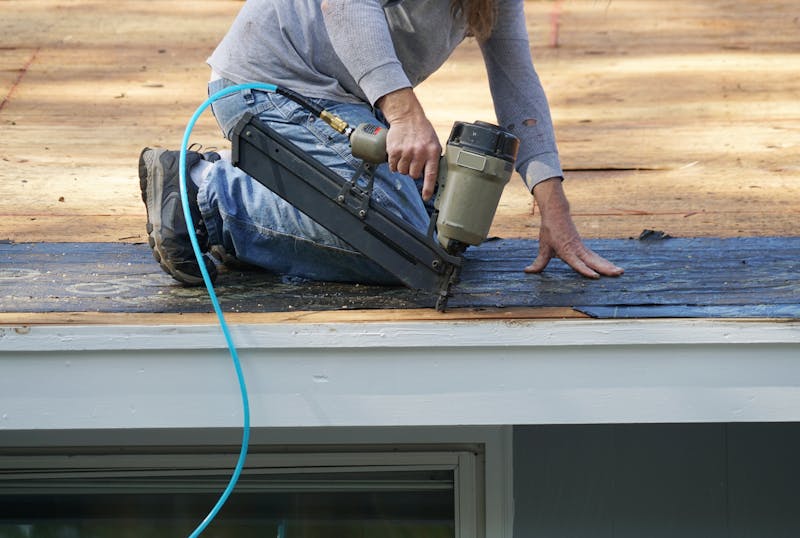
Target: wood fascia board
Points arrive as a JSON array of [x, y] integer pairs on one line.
[[423, 332], [14, 319]]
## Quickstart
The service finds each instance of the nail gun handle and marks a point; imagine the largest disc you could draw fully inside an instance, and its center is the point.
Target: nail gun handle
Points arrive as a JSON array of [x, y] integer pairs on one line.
[[368, 143]]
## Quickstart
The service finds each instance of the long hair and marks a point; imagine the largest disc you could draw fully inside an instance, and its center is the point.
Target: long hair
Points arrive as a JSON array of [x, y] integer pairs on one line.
[[479, 14]]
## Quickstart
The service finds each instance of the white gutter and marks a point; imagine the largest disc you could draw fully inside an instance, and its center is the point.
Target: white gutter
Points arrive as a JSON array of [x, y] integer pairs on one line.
[[413, 373]]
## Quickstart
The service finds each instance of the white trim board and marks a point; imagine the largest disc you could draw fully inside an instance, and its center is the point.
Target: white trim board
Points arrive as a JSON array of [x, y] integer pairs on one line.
[[401, 374]]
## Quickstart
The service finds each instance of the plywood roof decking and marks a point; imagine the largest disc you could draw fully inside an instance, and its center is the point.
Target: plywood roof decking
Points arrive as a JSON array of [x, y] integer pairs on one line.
[[676, 116]]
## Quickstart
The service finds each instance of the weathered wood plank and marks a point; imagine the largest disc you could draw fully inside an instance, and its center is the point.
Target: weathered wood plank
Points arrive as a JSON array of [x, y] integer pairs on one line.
[[24, 319], [680, 116], [737, 277]]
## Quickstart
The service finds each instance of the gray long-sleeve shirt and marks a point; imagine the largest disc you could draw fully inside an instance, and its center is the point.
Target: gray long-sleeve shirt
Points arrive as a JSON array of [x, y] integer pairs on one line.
[[360, 50]]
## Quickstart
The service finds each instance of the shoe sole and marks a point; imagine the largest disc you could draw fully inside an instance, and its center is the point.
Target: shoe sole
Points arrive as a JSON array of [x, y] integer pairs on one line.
[[146, 166]]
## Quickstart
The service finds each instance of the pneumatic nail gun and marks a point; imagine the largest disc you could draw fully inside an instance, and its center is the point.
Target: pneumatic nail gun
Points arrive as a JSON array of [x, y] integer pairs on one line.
[[477, 164]]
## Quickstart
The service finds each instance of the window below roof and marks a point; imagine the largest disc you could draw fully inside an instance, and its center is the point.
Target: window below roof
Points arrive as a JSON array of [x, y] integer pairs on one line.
[[361, 495]]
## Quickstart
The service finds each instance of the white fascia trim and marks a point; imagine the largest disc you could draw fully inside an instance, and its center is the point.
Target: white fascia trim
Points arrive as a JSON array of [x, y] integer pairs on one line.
[[401, 374]]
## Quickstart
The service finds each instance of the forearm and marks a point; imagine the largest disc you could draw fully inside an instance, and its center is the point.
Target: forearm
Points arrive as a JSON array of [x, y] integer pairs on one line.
[[400, 105], [551, 198]]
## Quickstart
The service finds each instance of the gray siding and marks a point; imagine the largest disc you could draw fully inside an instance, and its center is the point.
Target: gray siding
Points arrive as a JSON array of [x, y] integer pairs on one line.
[[657, 480]]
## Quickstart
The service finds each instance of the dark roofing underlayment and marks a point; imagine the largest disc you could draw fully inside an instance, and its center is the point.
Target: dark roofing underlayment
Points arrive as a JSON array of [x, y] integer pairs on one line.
[[664, 277]]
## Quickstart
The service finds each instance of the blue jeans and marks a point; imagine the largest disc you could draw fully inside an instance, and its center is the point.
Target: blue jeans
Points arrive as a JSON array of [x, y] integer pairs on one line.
[[260, 228]]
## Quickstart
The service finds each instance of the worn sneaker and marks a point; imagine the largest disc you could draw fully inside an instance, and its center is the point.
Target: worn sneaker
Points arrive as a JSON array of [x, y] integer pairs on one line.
[[167, 231]]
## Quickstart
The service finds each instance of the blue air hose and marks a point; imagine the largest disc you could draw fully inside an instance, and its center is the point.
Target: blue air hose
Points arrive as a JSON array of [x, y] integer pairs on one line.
[[337, 124], [213, 296]]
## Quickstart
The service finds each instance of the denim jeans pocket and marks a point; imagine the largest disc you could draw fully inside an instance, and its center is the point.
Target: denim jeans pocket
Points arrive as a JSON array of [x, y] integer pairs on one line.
[[229, 109]]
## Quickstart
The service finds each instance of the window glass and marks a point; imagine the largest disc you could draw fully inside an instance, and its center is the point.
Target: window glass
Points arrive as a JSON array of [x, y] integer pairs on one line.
[[384, 504]]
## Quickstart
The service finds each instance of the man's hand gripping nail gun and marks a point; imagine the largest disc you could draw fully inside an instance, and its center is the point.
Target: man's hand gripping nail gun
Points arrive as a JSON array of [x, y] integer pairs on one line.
[[477, 164]]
